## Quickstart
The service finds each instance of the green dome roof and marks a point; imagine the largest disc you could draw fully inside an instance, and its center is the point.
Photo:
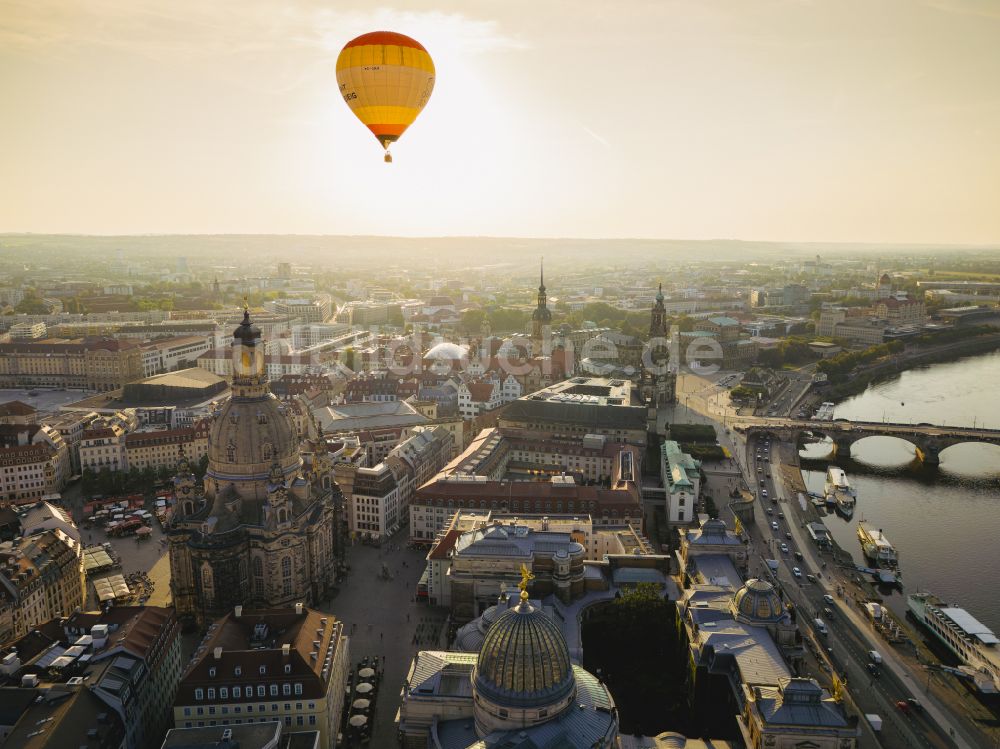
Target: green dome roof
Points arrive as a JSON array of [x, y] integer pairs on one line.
[[524, 661]]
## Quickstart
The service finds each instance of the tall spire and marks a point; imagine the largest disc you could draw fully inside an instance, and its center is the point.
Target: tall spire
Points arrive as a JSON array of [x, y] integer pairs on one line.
[[541, 276]]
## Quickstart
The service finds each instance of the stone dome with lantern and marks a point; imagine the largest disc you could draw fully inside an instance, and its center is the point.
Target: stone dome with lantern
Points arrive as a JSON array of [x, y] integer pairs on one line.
[[261, 530]]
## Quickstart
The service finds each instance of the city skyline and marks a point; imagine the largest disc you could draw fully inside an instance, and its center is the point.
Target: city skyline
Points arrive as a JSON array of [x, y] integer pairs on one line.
[[777, 121]]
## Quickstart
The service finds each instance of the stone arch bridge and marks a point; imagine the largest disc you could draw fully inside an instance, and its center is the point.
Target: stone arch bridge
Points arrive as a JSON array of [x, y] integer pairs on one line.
[[928, 439]]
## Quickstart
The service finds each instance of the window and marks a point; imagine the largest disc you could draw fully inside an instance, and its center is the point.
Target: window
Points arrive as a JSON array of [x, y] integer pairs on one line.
[[288, 668], [263, 670], [199, 694], [288, 707], [274, 690], [201, 711], [236, 692], [211, 671], [249, 708], [211, 710], [298, 689], [288, 721], [224, 693], [286, 689], [211, 693], [238, 671], [187, 712], [298, 720], [312, 720], [260, 690], [286, 575], [225, 710]]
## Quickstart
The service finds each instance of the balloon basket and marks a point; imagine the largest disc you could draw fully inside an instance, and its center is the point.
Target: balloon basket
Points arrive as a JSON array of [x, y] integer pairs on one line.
[[388, 158]]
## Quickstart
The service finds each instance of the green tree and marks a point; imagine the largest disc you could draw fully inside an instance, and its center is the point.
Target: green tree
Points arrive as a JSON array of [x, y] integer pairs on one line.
[[472, 321], [31, 305]]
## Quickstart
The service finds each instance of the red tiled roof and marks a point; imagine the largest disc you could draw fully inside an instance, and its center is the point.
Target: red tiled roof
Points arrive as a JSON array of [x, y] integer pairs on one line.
[[16, 408]]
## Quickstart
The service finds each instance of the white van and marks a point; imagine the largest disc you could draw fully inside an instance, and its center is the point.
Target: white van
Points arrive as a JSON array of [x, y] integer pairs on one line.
[[820, 627], [875, 657]]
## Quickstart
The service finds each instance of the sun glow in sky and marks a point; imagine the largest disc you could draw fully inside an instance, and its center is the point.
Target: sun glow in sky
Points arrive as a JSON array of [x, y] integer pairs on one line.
[[838, 120]]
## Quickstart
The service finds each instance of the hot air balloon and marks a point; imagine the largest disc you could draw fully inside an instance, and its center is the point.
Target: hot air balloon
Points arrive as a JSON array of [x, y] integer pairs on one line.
[[386, 79]]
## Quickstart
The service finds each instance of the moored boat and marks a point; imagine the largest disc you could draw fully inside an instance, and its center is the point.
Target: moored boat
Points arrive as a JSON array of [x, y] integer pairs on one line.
[[877, 547], [971, 641], [839, 490]]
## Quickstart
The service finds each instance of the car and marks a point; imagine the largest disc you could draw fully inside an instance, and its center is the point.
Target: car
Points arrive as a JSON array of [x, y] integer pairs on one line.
[[828, 598], [764, 492], [784, 548], [766, 459], [915, 704], [811, 578], [903, 706], [873, 670], [788, 535], [781, 514], [770, 511], [798, 555], [762, 482], [774, 525], [760, 470], [797, 572]]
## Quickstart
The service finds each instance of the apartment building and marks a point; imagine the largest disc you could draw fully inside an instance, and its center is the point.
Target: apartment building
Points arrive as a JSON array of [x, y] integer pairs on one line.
[[284, 664], [159, 448], [34, 461], [41, 577], [99, 364], [171, 354], [378, 498]]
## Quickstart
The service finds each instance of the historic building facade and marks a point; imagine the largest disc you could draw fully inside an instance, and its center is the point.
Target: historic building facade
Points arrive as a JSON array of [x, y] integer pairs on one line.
[[262, 532]]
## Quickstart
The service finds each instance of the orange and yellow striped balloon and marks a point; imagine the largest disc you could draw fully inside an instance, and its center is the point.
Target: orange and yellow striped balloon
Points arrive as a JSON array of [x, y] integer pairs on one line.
[[386, 79]]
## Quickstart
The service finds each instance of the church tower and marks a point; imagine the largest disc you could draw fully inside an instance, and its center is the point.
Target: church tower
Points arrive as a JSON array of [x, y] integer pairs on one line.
[[260, 533], [658, 317], [541, 318]]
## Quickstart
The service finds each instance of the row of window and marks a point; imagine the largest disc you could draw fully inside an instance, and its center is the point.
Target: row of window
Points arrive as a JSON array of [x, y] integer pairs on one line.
[[238, 692], [288, 721], [236, 709]]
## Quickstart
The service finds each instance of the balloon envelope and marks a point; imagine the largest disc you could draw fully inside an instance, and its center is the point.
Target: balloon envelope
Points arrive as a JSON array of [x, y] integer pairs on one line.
[[386, 79]]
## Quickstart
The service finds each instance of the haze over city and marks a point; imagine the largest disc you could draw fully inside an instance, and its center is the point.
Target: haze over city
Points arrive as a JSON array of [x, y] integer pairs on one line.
[[470, 375]]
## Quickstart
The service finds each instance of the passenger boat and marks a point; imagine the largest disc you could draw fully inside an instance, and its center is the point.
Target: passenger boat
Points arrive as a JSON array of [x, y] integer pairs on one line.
[[876, 546], [840, 490], [971, 641]]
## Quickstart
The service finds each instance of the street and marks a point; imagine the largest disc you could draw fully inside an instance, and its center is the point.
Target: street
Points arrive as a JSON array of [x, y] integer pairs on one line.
[[850, 637]]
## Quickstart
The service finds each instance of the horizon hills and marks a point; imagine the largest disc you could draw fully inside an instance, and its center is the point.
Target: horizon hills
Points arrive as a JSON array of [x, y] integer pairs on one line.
[[364, 250]]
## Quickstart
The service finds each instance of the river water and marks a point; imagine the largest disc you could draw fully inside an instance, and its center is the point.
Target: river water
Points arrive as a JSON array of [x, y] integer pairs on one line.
[[944, 521]]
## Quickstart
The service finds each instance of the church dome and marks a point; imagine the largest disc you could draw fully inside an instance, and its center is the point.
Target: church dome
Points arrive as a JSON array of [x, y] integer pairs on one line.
[[447, 351], [758, 602], [249, 436], [524, 661]]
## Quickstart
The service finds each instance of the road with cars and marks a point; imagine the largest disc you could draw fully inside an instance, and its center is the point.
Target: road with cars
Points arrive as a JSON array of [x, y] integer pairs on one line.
[[826, 613]]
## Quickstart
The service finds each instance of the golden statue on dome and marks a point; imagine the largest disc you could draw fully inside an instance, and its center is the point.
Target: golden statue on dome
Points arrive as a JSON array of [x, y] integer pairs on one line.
[[523, 585]]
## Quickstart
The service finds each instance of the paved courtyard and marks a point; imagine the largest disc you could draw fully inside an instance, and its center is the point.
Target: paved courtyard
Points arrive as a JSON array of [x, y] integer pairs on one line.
[[382, 619]]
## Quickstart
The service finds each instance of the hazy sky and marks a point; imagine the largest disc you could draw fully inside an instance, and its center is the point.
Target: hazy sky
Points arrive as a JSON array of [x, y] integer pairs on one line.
[[839, 120]]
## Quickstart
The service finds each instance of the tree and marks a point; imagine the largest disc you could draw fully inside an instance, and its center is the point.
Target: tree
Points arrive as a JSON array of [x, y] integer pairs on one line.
[[31, 305], [472, 321]]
